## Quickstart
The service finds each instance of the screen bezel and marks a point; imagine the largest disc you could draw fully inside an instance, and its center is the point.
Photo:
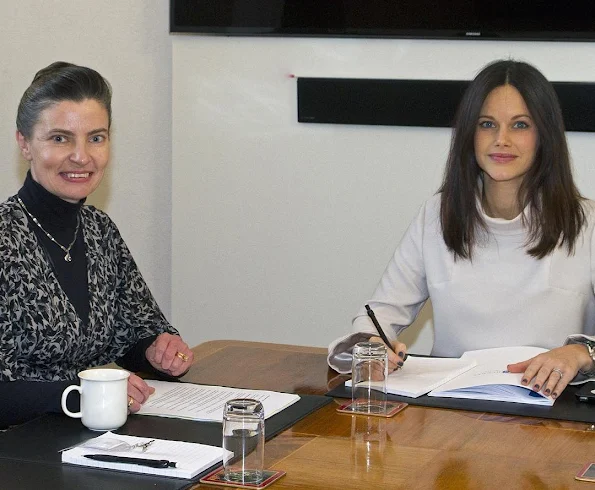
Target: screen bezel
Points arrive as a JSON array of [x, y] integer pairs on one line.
[[524, 30]]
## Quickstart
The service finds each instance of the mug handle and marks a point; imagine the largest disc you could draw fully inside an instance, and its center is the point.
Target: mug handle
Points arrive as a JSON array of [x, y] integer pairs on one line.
[[76, 415]]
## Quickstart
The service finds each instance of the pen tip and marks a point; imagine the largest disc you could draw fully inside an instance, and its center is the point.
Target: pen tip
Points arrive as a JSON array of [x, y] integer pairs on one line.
[[368, 307]]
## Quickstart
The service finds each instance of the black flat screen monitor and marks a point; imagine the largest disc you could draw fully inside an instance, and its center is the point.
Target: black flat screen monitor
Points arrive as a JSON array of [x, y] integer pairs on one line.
[[555, 20]]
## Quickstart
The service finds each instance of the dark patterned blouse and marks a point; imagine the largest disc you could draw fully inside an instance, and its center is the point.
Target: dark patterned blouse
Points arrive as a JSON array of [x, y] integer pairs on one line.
[[42, 338], [41, 335]]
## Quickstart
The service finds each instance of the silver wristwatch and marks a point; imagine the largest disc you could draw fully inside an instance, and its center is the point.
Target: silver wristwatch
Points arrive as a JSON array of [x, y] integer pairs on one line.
[[591, 371]]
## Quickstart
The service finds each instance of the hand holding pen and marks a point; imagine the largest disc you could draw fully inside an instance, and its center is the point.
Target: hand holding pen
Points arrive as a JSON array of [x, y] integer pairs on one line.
[[397, 354]]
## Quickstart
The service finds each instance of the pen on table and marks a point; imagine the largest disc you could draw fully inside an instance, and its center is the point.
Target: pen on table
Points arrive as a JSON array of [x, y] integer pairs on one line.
[[153, 463], [380, 331]]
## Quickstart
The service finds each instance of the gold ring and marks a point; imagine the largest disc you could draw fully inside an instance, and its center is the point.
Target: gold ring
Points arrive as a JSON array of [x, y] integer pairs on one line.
[[182, 356], [130, 401]]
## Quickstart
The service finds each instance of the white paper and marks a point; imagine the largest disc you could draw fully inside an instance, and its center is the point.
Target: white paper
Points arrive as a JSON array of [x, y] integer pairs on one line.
[[204, 402], [503, 356], [190, 458]]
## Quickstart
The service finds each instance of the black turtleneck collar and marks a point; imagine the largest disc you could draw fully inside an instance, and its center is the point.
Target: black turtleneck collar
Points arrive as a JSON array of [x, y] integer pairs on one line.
[[48, 208], [59, 218]]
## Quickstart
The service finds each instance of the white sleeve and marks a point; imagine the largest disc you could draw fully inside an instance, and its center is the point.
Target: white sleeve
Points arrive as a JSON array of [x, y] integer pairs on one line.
[[398, 298]]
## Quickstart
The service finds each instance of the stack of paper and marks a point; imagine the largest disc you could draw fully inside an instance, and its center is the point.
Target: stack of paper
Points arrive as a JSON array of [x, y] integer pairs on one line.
[[203, 402], [190, 458]]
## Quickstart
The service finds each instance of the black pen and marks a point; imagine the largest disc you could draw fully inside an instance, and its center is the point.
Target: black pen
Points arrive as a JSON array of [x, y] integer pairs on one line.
[[379, 328], [153, 463]]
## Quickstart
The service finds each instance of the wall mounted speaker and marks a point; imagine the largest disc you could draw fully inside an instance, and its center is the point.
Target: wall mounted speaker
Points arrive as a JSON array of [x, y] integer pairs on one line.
[[427, 103]]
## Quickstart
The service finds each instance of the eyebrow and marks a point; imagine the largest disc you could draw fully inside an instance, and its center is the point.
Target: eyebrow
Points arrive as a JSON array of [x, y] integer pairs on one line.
[[70, 133], [518, 116]]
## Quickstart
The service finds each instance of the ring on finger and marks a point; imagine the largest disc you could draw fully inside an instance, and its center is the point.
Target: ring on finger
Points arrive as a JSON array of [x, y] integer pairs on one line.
[[182, 356], [559, 372], [130, 401]]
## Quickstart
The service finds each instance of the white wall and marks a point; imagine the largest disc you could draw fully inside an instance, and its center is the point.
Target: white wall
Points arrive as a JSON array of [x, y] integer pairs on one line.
[[128, 42], [280, 230]]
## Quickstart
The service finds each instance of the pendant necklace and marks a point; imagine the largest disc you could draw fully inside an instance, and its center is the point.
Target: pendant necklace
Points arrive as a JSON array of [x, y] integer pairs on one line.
[[67, 257]]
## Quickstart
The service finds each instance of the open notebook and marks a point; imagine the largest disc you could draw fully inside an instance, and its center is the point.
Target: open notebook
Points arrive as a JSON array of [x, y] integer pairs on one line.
[[479, 375], [205, 402], [489, 379], [422, 374], [190, 458]]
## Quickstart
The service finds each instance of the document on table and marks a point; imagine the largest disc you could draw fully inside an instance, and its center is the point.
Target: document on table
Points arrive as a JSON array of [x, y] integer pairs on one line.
[[204, 402], [189, 458]]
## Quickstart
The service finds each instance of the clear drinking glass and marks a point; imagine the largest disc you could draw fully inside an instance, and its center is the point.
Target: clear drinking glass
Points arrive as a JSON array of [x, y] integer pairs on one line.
[[369, 370], [243, 435]]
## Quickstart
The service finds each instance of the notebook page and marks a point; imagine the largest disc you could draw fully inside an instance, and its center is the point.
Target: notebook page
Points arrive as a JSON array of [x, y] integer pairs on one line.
[[501, 356], [420, 375], [190, 458], [490, 380]]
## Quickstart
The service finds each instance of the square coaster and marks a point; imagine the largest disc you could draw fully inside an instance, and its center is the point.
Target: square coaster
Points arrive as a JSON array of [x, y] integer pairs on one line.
[[587, 473], [216, 478], [392, 408]]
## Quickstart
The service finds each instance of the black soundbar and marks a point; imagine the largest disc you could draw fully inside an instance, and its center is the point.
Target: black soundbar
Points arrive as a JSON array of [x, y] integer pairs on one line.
[[426, 103]]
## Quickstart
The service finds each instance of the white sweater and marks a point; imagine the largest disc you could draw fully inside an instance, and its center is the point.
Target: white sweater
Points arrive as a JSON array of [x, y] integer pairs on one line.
[[502, 297]]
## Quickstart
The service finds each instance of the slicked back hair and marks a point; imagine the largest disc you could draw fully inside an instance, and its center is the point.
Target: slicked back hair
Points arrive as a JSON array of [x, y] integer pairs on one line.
[[59, 82]]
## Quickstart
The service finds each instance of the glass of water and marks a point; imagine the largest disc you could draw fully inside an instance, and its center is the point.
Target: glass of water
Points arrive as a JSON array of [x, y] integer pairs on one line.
[[243, 435], [369, 372]]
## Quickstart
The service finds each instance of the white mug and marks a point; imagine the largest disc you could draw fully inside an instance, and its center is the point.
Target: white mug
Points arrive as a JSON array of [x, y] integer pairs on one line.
[[104, 398]]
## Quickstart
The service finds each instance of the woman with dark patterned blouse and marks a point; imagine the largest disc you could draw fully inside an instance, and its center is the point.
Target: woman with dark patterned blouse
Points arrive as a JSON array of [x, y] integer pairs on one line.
[[71, 295]]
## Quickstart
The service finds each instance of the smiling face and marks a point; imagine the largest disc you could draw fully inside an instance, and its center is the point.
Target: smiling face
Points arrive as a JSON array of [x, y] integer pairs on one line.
[[69, 148], [506, 137]]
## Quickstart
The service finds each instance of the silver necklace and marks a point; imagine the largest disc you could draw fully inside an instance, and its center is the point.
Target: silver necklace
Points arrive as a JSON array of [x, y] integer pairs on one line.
[[67, 257]]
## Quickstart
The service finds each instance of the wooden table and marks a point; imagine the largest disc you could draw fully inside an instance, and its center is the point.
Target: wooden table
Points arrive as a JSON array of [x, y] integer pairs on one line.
[[420, 447]]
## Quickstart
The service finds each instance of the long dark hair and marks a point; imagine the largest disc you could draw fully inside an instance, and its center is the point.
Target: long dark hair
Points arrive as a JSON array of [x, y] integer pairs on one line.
[[556, 213], [58, 82]]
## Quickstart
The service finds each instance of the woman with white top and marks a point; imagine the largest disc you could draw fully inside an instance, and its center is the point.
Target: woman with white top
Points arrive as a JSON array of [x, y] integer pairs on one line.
[[505, 249]]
